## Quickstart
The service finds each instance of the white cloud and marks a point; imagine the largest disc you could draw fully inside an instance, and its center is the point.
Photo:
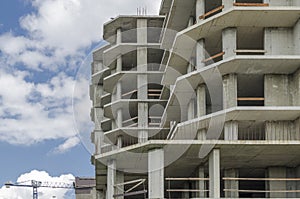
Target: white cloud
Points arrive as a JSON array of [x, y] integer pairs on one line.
[[55, 38], [69, 143], [44, 193]]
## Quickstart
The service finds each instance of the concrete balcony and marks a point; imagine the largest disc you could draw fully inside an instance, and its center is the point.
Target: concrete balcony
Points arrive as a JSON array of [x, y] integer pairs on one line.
[[111, 81]]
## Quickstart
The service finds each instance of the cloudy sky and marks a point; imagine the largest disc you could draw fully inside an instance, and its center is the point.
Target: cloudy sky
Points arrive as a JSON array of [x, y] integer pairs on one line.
[[43, 45]]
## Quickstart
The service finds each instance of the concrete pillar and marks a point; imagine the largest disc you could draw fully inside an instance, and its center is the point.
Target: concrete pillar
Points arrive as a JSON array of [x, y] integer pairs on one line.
[[229, 41], [120, 188], [111, 178], [191, 109], [227, 4], [119, 64], [279, 41], [296, 34], [297, 129], [120, 141], [214, 174], [231, 130], [191, 21], [142, 31], [291, 185], [156, 174], [186, 195], [201, 134], [142, 122], [119, 119], [231, 184], [229, 91], [277, 91], [280, 130], [200, 9], [276, 172], [295, 88], [200, 54], [298, 182], [201, 184], [201, 100], [119, 36]]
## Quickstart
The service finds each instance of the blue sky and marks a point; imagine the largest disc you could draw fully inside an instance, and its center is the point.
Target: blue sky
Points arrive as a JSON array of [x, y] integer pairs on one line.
[[42, 47]]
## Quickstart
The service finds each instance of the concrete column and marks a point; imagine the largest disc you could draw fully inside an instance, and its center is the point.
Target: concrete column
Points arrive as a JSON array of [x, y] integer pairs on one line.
[[142, 122], [200, 9], [111, 178], [295, 88], [231, 184], [119, 36], [201, 100], [298, 182], [291, 185], [229, 91], [296, 34], [119, 119], [277, 172], [201, 184], [229, 41], [279, 41], [156, 174], [119, 64], [191, 21], [297, 129], [231, 130], [142, 31], [120, 141], [119, 180], [186, 195], [280, 130], [214, 174], [227, 4], [277, 91], [201, 134], [191, 109], [200, 54], [118, 91]]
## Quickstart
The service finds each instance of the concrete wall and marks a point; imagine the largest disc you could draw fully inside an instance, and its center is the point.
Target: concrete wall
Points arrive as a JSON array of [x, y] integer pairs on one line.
[[295, 88], [279, 41], [277, 92]]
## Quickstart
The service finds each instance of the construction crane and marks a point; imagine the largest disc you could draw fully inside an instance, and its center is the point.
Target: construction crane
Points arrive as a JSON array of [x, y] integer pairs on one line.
[[37, 184]]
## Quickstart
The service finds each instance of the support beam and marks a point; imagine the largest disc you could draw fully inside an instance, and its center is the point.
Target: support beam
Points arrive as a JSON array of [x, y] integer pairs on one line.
[[156, 174], [229, 41], [231, 184], [214, 174], [229, 91]]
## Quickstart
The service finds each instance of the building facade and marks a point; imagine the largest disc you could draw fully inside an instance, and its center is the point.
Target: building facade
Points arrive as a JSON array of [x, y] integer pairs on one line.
[[201, 101]]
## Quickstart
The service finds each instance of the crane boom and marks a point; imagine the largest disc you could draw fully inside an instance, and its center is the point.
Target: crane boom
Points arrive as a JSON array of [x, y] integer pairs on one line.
[[36, 184]]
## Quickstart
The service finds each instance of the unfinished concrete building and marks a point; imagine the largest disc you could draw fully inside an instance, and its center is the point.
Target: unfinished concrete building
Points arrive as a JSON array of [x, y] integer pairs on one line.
[[201, 101]]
